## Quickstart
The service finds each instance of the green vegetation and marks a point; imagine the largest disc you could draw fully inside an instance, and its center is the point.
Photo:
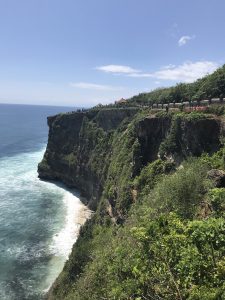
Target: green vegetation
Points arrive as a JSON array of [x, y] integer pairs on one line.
[[210, 86], [158, 231], [172, 144], [96, 146], [165, 250], [216, 110]]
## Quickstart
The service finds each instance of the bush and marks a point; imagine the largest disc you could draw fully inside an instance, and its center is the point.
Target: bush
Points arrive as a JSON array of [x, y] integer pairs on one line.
[[162, 258], [217, 200], [182, 191], [151, 174]]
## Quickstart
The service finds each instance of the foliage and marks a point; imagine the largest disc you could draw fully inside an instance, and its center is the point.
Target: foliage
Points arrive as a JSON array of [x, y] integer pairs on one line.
[[183, 190], [216, 110], [161, 258], [194, 116], [217, 200], [151, 174], [162, 251], [173, 141], [96, 145], [210, 86], [215, 161], [155, 246]]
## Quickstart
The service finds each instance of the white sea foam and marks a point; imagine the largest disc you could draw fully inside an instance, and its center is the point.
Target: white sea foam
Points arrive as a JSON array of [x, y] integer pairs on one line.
[[33, 202], [76, 216]]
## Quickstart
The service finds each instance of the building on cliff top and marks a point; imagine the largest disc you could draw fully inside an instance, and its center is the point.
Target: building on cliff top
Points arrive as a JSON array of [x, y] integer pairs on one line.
[[121, 101]]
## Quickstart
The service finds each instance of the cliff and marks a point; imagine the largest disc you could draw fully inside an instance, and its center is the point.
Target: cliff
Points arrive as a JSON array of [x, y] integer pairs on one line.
[[78, 149], [81, 145], [104, 153]]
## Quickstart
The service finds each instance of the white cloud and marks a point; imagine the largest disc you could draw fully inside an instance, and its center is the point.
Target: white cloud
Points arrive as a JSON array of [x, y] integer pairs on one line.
[[187, 72], [168, 66], [117, 69], [140, 75], [93, 86], [184, 39]]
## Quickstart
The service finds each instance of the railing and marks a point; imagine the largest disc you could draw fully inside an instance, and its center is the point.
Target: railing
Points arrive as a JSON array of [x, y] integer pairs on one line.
[[192, 104], [188, 106]]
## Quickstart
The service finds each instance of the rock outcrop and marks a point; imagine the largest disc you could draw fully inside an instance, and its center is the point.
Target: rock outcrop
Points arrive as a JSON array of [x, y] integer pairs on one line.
[[218, 177], [80, 145], [100, 152], [74, 147]]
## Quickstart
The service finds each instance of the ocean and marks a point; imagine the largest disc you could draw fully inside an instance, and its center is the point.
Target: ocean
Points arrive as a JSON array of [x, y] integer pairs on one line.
[[39, 221]]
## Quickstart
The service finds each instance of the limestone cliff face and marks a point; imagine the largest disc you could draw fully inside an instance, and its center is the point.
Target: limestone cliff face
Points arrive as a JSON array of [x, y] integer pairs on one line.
[[82, 146], [73, 149], [151, 131], [101, 151], [178, 138], [200, 136]]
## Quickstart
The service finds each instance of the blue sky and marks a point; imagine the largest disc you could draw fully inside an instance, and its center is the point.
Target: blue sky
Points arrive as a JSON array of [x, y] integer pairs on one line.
[[85, 52]]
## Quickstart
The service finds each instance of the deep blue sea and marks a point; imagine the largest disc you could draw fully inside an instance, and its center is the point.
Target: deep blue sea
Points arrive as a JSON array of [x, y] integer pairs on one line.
[[39, 221]]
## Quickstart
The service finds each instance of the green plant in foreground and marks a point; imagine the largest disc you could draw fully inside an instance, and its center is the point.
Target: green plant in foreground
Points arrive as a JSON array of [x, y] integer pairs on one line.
[[163, 249]]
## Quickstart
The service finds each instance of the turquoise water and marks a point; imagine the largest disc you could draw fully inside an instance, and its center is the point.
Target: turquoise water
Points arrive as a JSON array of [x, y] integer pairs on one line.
[[38, 220]]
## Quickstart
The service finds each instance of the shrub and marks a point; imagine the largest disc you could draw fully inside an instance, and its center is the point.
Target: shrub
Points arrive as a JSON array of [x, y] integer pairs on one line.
[[182, 191]]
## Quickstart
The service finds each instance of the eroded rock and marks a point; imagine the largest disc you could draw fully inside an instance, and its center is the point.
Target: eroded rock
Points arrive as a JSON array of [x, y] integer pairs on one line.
[[217, 176]]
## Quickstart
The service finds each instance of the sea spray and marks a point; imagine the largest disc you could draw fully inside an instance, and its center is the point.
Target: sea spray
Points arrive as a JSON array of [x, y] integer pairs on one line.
[[32, 212], [39, 223], [76, 215]]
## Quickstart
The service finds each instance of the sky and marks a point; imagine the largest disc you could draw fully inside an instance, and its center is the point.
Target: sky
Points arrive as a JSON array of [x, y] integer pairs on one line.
[[86, 52]]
